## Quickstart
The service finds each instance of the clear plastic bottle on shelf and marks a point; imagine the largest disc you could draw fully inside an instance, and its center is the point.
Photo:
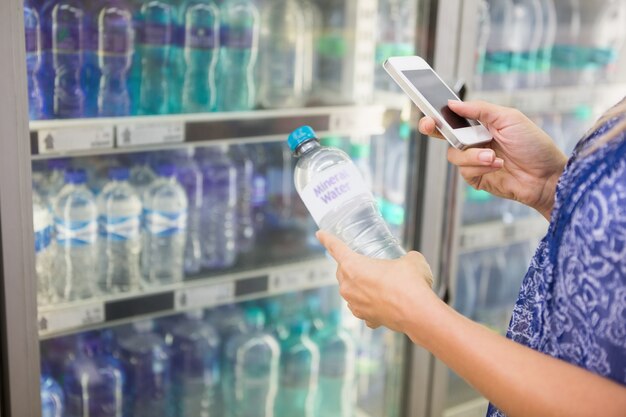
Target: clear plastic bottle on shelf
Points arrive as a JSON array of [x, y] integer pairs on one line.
[[45, 75], [165, 224], [394, 179], [245, 177], [141, 174], [68, 17], [566, 57], [45, 250], [239, 32], [120, 212], [333, 191], [76, 223], [313, 25], [299, 371], [482, 37], [201, 50], [219, 221], [332, 48], [497, 70], [154, 38], [93, 381], [32, 33], [115, 51], [195, 367], [229, 321], [336, 395], [548, 34], [146, 365], [281, 54], [252, 370], [55, 178], [525, 41], [52, 399], [259, 190]]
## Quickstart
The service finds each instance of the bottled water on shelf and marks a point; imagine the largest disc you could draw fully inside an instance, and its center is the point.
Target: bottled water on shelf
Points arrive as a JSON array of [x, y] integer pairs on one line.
[[281, 59], [245, 183], [332, 48], [55, 179], [190, 178], [548, 33], [155, 36], [482, 37], [228, 320], [259, 189], [239, 32], [336, 394], [68, 18], [333, 191], [566, 59], [115, 50], [93, 382], [497, 70], [165, 223], [120, 225], [146, 365], [525, 41], [52, 400], [44, 250], [299, 368], [219, 222], [76, 216], [313, 25], [32, 33], [201, 23], [195, 367], [251, 374], [141, 174]]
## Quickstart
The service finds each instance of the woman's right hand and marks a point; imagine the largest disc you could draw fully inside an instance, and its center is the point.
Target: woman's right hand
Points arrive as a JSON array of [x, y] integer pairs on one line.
[[521, 163]]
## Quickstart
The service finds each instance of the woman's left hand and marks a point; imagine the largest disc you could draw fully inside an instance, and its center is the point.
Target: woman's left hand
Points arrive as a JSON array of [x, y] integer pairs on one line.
[[382, 292]]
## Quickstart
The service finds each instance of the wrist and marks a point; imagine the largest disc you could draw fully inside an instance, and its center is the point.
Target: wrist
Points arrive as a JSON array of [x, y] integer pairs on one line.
[[548, 193], [422, 322]]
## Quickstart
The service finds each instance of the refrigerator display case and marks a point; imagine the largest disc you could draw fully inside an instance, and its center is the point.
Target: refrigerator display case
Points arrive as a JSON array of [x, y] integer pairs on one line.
[[156, 259], [560, 62]]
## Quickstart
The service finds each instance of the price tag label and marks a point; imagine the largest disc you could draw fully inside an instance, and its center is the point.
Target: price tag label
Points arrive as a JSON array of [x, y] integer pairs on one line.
[[144, 133], [71, 317], [75, 139], [299, 279], [204, 296]]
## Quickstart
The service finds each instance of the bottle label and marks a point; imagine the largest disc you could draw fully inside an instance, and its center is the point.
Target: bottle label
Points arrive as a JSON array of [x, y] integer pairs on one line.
[[200, 38], [76, 233], [32, 40], [115, 32], [333, 188], [155, 34], [160, 223], [238, 38], [119, 229], [43, 238], [497, 62]]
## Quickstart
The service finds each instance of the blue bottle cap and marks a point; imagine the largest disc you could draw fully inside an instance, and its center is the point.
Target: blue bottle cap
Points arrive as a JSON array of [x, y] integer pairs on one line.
[[299, 136], [75, 176], [119, 173], [166, 170], [254, 317]]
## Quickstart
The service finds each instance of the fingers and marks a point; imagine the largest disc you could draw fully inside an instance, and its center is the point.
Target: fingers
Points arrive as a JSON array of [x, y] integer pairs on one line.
[[482, 111], [337, 249], [475, 157], [473, 172], [428, 127], [371, 324]]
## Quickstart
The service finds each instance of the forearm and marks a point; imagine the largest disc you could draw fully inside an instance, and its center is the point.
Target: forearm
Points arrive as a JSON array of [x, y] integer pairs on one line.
[[517, 379]]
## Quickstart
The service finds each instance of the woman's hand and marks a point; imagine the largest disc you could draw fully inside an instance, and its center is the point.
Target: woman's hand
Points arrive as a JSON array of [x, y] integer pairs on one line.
[[522, 163], [382, 292]]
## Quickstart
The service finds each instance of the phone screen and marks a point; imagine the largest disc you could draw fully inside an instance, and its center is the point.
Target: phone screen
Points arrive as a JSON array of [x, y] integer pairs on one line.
[[437, 94]]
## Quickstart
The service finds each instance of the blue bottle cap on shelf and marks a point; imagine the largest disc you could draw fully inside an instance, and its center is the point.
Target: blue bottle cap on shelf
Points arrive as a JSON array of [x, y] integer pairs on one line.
[[254, 317], [119, 173], [58, 163], [299, 136], [75, 176], [166, 170]]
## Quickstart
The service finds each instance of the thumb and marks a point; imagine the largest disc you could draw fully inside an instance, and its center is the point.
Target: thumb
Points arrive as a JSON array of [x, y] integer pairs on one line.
[[337, 249], [482, 111]]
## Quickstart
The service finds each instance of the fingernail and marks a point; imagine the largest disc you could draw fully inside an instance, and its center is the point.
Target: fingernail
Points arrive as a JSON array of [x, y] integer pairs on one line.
[[485, 156], [498, 163]]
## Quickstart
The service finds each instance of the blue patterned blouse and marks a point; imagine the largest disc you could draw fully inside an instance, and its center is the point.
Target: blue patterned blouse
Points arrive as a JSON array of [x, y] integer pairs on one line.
[[572, 303]]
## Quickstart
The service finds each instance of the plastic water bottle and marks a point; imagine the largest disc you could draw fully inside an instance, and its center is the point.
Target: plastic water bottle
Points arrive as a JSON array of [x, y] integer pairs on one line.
[[32, 33], [146, 364], [165, 224], [548, 33], [76, 222], [336, 393], [497, 70], [155, 37], [115, 50], [44, 250], [299, 369], [120, 211], [239, 32], [282, 55], [219, 222], [141, 174], [195, 367], [245, 187], [67, 41], [93, 382], [335, 194], [189, 176], [45, 75], [566, 56], [332, 48], [482, 37], [251, 374], [525, 41], [228, 320], [201, 50], [312, 27], [52, 400], [55, 178]]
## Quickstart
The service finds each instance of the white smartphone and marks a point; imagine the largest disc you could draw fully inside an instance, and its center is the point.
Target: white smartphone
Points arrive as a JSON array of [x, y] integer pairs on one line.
[[428, 91]]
